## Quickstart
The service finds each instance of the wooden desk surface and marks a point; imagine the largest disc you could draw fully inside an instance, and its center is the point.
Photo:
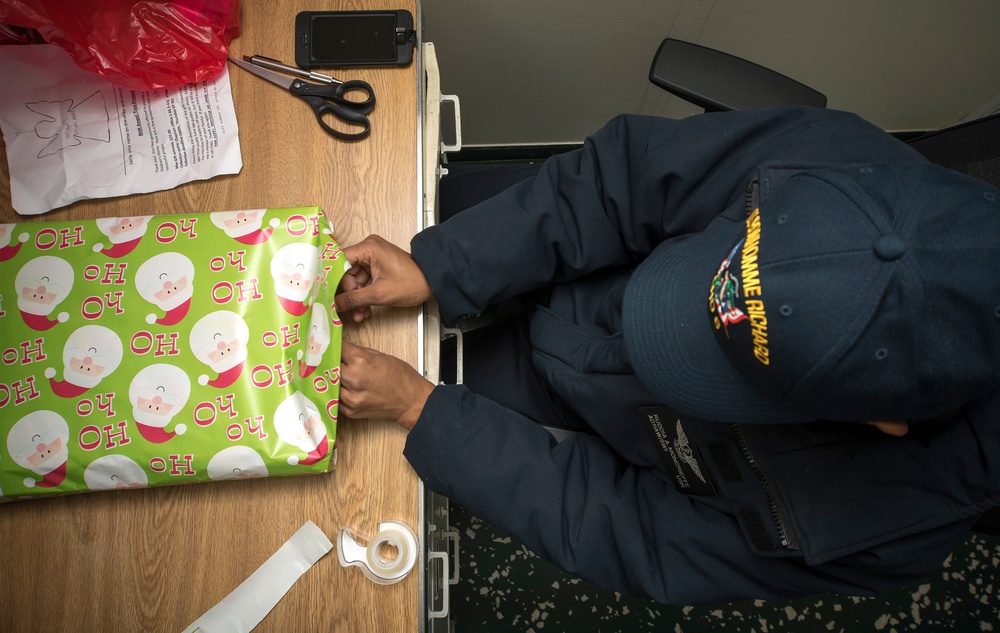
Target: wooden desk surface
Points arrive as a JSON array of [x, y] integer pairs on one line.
[[157, 559]]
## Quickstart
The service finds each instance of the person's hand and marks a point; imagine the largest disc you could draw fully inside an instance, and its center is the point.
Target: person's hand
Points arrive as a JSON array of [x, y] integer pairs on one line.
[[893, 428], [381, 274], [381, 387]]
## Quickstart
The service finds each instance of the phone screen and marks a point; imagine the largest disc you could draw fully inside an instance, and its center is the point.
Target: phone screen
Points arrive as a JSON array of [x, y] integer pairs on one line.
[[356, 38]]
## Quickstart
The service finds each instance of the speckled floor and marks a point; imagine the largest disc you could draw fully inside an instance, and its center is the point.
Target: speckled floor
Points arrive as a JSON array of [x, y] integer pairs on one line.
[[504, 587]]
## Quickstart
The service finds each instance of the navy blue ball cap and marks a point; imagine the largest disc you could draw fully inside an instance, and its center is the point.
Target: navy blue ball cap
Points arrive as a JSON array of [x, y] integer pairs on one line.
[[852, 293]]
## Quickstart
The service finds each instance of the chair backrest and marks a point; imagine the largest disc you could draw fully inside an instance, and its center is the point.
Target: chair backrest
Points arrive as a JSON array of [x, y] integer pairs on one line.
[[718, 81], [989, 523], [972, 148]]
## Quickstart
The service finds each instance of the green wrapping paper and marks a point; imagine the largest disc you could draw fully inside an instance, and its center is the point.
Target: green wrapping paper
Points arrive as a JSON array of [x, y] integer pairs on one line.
[[167, 349]]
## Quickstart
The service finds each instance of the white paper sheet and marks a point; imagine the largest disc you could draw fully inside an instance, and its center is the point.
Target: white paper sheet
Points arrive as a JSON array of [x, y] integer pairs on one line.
[[246, 606], [72, 135]]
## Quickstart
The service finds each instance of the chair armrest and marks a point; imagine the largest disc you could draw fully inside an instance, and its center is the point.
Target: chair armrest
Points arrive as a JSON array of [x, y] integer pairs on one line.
[[719, 81]]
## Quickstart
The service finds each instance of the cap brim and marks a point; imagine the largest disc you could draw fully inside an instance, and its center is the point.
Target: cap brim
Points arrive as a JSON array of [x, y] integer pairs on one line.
[[668, 332]]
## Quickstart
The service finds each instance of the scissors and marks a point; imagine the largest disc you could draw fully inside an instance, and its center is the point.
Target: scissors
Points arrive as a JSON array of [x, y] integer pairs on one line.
[[323, 99]]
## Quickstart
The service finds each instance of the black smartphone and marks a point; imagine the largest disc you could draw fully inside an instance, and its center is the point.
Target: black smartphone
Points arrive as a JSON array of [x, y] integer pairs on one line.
[[340, 39]]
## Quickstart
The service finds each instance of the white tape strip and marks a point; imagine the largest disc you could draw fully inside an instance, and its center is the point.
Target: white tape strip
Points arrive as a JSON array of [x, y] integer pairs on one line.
[[378, 567], [248, 604]]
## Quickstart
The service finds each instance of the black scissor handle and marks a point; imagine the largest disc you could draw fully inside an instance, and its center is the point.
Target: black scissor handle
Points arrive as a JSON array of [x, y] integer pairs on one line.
[[355, 85], [322, 107], [330, 100]]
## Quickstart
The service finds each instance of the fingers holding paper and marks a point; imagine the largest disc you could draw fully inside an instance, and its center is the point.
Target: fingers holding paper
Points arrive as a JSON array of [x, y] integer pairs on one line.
[[379, 386], [381, 274]]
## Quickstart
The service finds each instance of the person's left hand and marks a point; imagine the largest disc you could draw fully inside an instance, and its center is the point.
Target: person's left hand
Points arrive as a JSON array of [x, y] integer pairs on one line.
[[893, 428], [379, 386], [381, 274]]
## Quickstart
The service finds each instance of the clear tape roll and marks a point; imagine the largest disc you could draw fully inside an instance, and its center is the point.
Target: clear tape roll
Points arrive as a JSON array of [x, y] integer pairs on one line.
[[378, 567]]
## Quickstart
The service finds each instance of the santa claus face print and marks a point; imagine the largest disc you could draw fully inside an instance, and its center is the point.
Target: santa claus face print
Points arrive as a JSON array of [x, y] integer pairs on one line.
[[293, 269], [158, 393], [87, 365], [219, 340], [6, 236], [316, 345], [125, 226], [124, 233], [244, 226], [42, 283], [171, 288], [236, 462], [241, 220], [114, 472], [155, 406], [296, 279], [91, 353], [40, 294], [317, 342], [45, 453], [224, 350], [165, 280], [297, 421], [39, 442], [165, 277], [319, 332]]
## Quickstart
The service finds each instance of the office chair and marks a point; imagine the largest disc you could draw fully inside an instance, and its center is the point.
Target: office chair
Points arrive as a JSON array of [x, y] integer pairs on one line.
[[972, 148], [720, 82]]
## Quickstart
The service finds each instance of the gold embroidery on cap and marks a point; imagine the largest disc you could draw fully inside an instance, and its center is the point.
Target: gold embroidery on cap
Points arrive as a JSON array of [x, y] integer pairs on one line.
[[751, 288]]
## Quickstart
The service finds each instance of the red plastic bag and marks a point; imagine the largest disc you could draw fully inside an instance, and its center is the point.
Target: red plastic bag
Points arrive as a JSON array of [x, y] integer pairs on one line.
[[142, 44]]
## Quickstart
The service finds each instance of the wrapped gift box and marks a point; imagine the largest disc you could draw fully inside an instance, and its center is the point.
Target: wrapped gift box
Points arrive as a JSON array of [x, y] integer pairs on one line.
[[167, 349]]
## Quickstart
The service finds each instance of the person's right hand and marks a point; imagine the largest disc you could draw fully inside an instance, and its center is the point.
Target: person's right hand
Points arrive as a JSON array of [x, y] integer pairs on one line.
[[381, 274]]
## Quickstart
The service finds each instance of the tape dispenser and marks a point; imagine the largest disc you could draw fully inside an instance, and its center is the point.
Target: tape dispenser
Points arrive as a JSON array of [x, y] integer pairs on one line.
[[375, 559]]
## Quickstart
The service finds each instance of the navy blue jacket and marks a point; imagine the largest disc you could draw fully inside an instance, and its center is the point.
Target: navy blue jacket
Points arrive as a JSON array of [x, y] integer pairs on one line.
[[798, 509]]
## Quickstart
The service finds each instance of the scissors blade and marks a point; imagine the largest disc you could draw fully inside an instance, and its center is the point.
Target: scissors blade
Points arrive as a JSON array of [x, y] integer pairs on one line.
[[277, 66], [263, 73]]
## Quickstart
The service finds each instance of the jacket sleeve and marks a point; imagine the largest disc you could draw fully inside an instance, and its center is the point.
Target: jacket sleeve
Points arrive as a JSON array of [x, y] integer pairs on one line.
[[634, 183], [578, 504]]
